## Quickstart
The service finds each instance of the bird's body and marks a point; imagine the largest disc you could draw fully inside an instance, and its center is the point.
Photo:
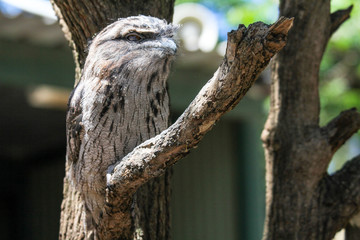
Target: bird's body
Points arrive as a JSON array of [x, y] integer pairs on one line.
[[120, 101]]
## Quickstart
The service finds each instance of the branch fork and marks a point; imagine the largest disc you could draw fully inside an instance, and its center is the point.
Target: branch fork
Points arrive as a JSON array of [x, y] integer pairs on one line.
[[248, 52]]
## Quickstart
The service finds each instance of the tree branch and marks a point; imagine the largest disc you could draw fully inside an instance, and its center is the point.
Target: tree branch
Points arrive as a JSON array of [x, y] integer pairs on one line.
[[342, 194], [249, 50], [339, 17], [342, 128]]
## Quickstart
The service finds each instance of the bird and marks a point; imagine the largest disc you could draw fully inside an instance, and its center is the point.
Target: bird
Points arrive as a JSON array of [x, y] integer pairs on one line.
[[120, 101]]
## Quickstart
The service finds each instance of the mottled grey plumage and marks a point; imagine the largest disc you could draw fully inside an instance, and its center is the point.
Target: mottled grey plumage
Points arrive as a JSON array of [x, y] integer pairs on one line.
[[118, 102]]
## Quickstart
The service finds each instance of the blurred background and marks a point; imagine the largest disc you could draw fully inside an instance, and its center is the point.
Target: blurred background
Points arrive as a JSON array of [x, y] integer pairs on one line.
[[219, 189]]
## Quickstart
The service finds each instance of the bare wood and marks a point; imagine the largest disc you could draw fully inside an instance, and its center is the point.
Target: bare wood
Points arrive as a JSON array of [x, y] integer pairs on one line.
[[251, 48], [72, 218], [248, 52]]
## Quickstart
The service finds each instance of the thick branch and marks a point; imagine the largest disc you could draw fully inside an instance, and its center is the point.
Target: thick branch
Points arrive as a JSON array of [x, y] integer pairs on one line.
[[297, 152], [339, 17], [347, 180], [342, 128], [248, 52], [342, 195]]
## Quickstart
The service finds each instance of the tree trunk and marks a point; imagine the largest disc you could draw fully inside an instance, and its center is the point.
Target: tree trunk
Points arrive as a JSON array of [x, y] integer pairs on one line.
[[248, 52], [80, 21], [302, 201]]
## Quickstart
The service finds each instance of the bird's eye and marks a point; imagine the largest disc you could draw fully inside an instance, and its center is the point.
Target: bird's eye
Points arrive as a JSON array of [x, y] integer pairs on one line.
[[134, 37]]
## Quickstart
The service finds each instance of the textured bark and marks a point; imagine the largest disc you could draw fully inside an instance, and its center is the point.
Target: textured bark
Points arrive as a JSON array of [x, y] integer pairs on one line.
[[249, 50], [302, 201], [72, 212], [80, 21]]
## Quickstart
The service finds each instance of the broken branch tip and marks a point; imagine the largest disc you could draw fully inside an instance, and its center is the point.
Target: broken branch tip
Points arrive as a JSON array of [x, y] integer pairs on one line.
[[282, 25]]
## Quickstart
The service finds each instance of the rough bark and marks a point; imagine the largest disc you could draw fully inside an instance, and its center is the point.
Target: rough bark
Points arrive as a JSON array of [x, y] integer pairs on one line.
[[248, 52], [80, 21], [302, 201]]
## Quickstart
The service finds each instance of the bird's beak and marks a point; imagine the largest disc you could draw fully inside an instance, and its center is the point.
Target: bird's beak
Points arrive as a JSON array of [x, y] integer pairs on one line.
[[169, 44]]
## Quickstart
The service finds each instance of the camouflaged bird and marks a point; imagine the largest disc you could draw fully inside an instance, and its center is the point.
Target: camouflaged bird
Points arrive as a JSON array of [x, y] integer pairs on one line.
[[118, 102]]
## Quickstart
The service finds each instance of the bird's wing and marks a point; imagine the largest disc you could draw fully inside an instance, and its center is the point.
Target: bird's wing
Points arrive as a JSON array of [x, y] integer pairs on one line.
[[74, 127]]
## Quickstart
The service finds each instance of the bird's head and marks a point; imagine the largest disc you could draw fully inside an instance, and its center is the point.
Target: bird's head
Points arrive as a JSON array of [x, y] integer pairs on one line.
[[133, 44]]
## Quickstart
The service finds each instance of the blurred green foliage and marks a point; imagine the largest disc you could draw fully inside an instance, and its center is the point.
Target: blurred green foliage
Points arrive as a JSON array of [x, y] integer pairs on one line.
[[340, 77], [340, 68], [242, 11], [248, 12]]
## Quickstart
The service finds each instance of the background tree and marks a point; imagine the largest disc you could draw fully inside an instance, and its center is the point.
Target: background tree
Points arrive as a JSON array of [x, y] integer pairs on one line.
[[248, 52], [303, 201]]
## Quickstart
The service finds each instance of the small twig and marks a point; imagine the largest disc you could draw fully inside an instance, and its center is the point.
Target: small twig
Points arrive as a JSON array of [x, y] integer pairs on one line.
[[342, 128], [339, 17]]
